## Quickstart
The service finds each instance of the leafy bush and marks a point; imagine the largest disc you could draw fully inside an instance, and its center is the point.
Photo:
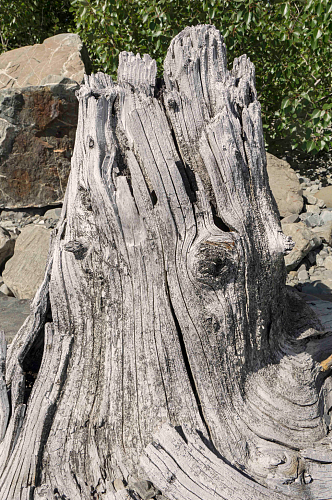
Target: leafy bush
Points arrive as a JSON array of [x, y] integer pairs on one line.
[[26, 22], [288, 41]]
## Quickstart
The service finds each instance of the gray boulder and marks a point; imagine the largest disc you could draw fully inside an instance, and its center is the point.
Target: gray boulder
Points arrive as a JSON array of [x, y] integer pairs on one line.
[[305, 241], [24, 272], [60, 57], [285, 186]]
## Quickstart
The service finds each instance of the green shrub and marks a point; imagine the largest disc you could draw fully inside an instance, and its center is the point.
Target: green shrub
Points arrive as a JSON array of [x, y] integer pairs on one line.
[[26, 22], [289, 43]]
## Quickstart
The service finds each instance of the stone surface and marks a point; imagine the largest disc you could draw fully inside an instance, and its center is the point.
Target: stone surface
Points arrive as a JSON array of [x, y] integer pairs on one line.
[[305, 241], [325, 194], [24, 272], [13, 313], [7, 244], [285, 186], [35, 154], [60, 57]]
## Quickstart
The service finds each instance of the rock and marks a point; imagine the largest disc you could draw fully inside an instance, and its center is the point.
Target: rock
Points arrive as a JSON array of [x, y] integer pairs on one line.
[[24, 272], [305, 241], [323, 274], [311, 199], [51, 217], [7, 244], [13, 313], [285, 186], [53, 213], [313, 209], [5, 290], [311, 190], [303, 275], [324, 232], [313, 220], [328, 262], [326, 216], [320, 203], [60, 57], [325, 194], [319, 260], [35, 157], [290, 219]]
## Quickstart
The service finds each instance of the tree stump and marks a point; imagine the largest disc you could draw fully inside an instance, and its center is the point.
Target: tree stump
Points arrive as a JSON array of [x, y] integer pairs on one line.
[[163, 353]]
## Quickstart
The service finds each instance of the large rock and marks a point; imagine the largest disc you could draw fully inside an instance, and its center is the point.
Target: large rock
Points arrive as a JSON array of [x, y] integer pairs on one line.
[[285, 186], [61, 56], [37, 133], [24, 272], [305, 241]]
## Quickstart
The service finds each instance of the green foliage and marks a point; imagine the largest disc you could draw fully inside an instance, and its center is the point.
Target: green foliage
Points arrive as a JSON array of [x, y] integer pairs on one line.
[[26, 22], [288, 41]]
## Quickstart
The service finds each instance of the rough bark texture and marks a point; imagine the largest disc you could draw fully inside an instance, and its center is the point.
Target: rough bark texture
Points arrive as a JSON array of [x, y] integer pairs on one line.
[[163, 343]]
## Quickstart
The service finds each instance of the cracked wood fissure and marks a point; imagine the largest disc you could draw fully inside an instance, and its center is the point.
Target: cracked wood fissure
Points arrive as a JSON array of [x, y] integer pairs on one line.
[[167, 346]]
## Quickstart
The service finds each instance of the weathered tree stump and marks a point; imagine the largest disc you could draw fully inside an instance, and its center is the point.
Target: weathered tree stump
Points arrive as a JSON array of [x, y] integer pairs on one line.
[[163, 344]]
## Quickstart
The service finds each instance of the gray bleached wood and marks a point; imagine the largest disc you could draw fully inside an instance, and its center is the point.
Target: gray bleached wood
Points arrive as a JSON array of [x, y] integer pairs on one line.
[[163, 310]]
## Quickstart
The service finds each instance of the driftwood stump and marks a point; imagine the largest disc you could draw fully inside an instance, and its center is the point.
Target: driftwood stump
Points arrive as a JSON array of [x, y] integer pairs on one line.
[[163, 344]]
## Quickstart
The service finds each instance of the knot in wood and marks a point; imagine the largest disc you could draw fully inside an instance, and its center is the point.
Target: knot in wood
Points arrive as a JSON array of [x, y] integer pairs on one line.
[[213, 262], [75, 247], [91, 143]]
